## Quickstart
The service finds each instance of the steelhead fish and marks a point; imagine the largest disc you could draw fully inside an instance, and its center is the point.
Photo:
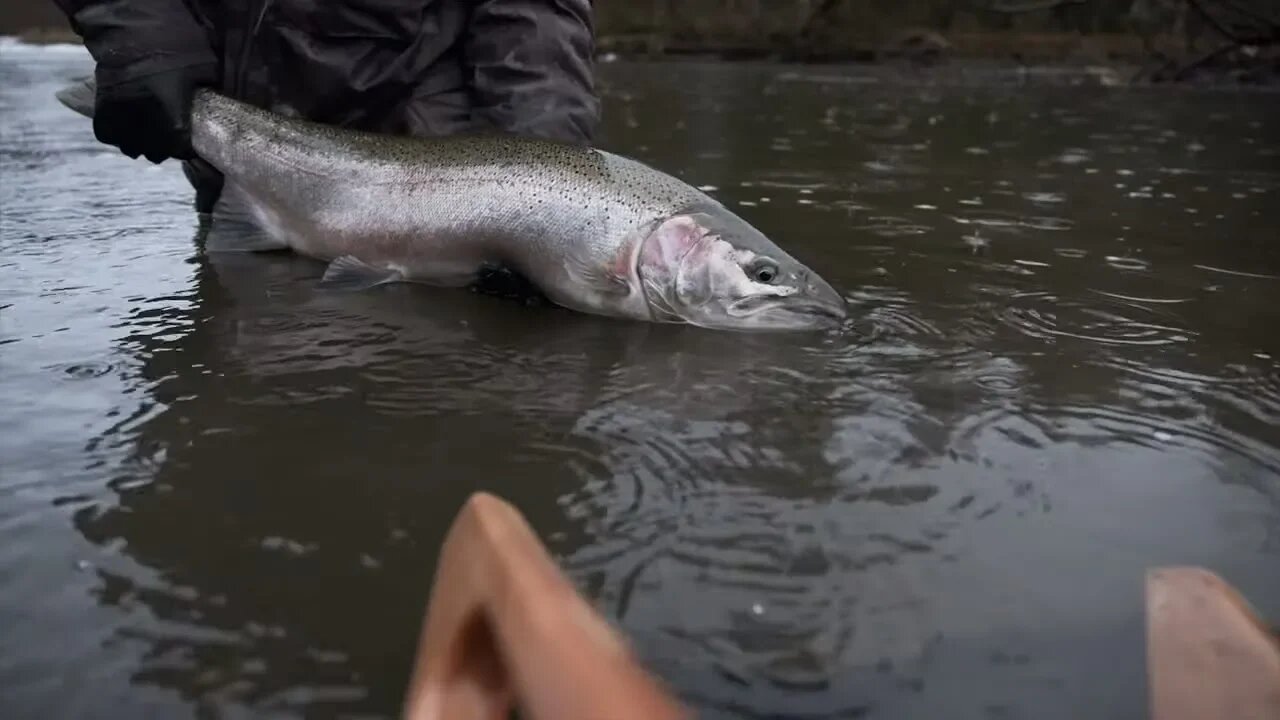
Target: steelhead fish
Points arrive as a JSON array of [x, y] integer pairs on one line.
[[593, 231]]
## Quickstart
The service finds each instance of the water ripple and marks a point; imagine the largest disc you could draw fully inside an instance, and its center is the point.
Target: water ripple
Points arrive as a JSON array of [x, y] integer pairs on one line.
[[1044, 316], [706, 505], [891, 312], [1238, 273], [888, 226], [1011, 221]]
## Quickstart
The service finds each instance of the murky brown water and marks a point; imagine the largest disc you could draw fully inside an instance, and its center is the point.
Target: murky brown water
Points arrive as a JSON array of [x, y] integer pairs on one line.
[[223, 489]]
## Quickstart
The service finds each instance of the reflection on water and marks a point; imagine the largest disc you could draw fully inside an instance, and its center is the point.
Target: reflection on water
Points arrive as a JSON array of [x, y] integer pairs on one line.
[[223, 489]]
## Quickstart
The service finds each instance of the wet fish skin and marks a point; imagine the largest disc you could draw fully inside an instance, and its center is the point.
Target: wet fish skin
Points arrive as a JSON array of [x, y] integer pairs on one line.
[[436, 209], [594, 231]]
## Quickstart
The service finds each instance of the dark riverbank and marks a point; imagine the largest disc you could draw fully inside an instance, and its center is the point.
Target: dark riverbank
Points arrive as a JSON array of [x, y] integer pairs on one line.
[[1079, 43], [1052, 62]]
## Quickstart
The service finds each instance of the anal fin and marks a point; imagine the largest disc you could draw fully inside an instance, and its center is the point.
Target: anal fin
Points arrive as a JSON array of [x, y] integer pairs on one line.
[[351, 273], [233, 228]]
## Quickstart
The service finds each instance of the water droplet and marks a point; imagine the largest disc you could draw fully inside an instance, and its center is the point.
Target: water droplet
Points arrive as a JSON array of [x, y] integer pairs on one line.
[[281, 544], [1045, 223], [1126, 263], [1162, 436], [82, 371], [1044, 197], [976, 242], [757, 609]]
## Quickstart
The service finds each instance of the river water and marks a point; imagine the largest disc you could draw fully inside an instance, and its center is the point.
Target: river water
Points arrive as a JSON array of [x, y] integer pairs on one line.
[[222, 490]]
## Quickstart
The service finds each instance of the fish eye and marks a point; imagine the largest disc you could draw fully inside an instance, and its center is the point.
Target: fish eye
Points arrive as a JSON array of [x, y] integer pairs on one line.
[[763, 271]]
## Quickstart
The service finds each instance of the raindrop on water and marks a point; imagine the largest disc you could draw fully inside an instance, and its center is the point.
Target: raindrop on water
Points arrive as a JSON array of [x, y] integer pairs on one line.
[[82, 371], [1125, 263]]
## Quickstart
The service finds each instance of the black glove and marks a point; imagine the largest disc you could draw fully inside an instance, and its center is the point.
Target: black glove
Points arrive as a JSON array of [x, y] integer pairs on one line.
[[151, 115]]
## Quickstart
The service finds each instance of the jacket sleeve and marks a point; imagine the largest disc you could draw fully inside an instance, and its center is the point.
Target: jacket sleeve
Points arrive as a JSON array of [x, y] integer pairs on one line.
[[530, 66], [133, 38]]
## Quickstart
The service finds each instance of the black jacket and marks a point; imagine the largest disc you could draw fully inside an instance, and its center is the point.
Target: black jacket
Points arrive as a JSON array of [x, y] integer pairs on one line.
[[422, 67]]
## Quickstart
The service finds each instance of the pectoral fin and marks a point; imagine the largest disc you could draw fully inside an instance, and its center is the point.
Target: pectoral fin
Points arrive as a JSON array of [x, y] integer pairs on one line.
[[233, 228], [605, 279], [351, 273]]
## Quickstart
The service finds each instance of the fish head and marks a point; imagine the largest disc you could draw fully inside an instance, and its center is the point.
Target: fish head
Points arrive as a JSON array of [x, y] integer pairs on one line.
[[708, 267]]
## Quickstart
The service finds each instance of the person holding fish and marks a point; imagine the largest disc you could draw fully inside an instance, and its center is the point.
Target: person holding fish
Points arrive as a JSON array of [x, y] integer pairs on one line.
[[438, 142], [404, 67]]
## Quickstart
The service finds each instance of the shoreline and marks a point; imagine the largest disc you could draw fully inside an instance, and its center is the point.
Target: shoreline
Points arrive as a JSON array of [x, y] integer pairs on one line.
[[985, 58]]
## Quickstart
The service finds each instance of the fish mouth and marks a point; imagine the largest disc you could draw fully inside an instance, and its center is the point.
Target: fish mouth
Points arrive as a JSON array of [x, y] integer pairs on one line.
[[776, 312]]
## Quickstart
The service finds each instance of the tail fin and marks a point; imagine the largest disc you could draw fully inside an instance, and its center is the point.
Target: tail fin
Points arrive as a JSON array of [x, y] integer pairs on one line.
[[79, 96]]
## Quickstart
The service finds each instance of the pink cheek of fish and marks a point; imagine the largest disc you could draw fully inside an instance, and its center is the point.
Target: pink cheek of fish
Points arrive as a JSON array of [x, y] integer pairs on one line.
[[671, 243]]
